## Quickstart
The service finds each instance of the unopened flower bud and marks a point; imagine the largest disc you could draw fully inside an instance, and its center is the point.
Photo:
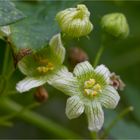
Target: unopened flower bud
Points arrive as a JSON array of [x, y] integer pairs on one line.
[[76, 55], [41, 94], [74, 22], [116, 81], [115, 24]]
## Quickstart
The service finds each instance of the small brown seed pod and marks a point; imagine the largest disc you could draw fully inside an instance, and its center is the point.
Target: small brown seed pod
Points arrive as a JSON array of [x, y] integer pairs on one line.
[[76, 55], [116, 81], [41, 94]]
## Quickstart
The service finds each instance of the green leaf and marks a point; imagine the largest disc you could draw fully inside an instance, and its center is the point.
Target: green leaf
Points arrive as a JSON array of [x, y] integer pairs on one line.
[[9, 13], [36, 30]]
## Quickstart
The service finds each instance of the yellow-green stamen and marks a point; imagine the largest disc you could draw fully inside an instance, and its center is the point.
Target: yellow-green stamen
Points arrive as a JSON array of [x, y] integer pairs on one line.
[[91, 88], [47, 66]]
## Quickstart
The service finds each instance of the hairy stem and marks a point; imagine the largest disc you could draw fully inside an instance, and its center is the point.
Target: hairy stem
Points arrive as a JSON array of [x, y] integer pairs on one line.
[[35, 119]]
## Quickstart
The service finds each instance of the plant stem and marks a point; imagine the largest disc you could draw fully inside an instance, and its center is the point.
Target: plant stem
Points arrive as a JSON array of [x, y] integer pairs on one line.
[[104, 41], [98, 56], [94, 135], [37, 120], [115, 120], [6, 58], [5, 120]]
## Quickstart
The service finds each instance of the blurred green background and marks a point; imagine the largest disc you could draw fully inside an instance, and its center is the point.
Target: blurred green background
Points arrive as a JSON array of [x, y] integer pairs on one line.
[[120, 56]]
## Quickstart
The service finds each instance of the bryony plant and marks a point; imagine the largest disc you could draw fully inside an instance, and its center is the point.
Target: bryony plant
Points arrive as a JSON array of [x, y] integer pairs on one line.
[[89, 89], [42, 65]]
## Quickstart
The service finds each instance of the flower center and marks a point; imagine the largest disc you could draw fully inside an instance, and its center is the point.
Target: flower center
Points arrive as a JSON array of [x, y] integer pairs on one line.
[[47, 66], [91, 88]]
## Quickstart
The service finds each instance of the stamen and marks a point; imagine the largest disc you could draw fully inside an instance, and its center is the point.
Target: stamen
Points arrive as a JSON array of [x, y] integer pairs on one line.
[[91, 88], [90, 83], [86, 91], [97, 87], [45, 69], [42, 69], [94, 93]]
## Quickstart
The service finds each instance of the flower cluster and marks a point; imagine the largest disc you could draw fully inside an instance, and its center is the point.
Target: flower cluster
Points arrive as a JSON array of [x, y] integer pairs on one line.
[[89, 88]]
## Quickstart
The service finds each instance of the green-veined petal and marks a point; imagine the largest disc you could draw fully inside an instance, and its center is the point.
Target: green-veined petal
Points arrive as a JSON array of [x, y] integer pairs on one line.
[[109, 97], [83, 70], [29, 83], [74, 107], [64, 81], [27, 65], [95, 116], [103, 71], [57, 49]]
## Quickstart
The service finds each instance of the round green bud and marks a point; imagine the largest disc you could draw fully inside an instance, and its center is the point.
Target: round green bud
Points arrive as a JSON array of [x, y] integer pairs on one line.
[[115, 24], [74, 22]]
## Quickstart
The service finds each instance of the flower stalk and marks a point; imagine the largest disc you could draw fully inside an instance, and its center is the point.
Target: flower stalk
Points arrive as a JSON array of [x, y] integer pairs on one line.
[[98, 55]]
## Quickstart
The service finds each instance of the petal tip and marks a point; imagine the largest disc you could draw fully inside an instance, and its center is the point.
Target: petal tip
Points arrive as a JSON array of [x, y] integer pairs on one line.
[[94, 129], [74, 107], [19, 88]]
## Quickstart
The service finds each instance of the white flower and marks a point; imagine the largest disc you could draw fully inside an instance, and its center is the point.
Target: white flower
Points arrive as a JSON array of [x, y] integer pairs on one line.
[[89, 90], [42, 65]]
